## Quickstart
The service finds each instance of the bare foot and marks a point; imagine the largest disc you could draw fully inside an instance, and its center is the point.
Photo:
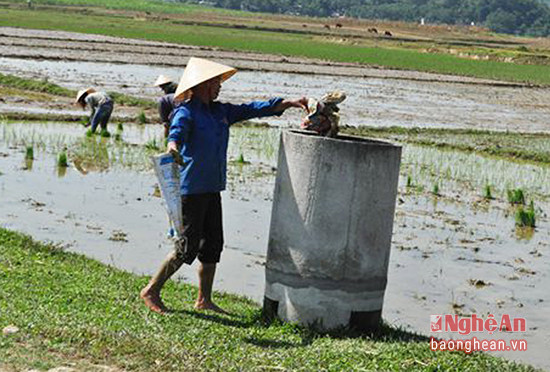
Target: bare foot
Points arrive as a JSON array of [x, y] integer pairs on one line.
[[153, 302], [208, 305]]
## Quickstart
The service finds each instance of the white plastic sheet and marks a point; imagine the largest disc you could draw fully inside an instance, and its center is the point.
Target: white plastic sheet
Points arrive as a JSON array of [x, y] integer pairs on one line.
[[168, 174]]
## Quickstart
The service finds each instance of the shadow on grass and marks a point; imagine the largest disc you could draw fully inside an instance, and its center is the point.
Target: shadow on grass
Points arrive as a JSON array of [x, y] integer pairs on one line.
[[230, 320], [385, 333]]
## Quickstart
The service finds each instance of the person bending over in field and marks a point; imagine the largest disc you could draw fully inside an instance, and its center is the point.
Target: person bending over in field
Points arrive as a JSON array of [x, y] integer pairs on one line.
[[101, 105]]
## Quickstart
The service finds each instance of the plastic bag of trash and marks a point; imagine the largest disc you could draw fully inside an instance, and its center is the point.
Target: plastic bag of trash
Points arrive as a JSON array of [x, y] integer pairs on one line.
[[168, 174], [323, 116]]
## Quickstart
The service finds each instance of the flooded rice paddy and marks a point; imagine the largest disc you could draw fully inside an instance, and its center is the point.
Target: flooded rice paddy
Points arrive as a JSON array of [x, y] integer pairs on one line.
[[371, 101], [453, 250], [452, 253]]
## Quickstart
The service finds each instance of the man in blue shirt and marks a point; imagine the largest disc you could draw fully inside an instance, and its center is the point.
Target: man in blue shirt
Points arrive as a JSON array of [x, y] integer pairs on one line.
[[200, 132]]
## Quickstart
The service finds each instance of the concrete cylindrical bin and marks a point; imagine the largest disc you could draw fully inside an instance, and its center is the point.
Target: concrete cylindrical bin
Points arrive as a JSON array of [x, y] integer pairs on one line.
[[331, 228]]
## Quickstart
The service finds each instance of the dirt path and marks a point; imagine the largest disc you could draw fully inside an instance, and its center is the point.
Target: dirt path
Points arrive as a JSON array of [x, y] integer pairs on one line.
[[67, 46]]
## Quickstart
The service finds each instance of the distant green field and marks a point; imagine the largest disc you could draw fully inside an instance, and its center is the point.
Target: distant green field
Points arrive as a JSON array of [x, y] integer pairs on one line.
[[272, 42], [140, 5]]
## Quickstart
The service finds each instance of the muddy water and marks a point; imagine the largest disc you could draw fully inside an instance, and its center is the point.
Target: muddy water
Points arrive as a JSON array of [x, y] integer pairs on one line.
[[440, 246], [371, 101]]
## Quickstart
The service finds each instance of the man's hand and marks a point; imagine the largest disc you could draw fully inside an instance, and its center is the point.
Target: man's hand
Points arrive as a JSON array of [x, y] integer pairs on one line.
[[171, 146], [299, 103], [172, 149]]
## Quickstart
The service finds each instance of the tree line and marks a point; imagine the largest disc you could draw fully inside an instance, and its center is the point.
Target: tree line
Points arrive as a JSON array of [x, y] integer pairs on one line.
[[521, 17]]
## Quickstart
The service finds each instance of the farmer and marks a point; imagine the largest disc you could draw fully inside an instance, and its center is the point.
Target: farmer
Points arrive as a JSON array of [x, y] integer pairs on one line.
[[166, 84], [200, 132], [166, 103], [100, 104]]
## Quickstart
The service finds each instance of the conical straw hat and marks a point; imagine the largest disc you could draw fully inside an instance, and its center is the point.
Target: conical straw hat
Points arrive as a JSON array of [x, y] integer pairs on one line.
[[82, 92], [198, 71], [161, 80]]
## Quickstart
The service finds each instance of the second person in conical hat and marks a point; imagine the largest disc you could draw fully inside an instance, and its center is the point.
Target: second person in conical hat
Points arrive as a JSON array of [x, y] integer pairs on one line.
[[166, 103], [101, 105], [166, 84], [200, 132]]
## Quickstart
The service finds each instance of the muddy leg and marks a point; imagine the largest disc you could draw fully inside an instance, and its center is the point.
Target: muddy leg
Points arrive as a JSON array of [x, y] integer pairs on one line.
[[206, 280], [151, 293]]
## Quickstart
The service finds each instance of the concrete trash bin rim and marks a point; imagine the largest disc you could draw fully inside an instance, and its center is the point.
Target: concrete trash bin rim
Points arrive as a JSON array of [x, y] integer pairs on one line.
[[344, 138]]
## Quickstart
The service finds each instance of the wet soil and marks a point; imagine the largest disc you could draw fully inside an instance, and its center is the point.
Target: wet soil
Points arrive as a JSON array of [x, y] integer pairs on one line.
[[450, 254]]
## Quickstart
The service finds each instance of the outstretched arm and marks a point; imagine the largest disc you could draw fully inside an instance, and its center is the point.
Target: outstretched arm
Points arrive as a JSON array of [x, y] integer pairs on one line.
[[284, 104], [258, 109]]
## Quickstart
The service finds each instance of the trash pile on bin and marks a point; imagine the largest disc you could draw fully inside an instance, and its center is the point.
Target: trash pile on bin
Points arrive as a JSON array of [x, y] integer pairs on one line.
[[323, 116]]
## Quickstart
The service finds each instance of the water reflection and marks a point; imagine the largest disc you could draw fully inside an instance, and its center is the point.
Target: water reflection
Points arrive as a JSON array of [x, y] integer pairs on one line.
[[61, 171], [28, 164]]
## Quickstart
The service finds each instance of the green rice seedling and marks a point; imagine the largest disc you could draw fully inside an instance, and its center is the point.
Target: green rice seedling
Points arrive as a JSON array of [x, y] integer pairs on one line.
[[62, 159], [89, 133], [29, 153], [240, 159], [120, 127], [516, 196], [526, 217], [117, 137], [435, 189], [487, 194], [409, 181], [152, 145], [142, 119], [105, 133]]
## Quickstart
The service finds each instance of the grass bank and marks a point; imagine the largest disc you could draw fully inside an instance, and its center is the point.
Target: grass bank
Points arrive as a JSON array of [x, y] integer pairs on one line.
[[532, 147], [73, 310], [285, 43], [44, 86]]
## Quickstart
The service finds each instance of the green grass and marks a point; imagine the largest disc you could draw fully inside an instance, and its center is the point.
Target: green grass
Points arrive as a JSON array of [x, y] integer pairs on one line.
[[140, 5], [71, 309], [42, 86], [289, 44]]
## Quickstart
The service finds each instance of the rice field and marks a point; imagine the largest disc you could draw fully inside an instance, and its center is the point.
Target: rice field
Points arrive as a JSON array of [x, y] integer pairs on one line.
[[274, 42]]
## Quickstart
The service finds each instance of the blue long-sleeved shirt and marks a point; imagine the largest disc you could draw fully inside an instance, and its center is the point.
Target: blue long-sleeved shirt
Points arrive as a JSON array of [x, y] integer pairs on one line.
[[202, 133]]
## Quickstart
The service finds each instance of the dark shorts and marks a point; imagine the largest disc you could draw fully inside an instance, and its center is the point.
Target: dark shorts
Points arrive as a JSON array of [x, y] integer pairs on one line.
[[202, 228]]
